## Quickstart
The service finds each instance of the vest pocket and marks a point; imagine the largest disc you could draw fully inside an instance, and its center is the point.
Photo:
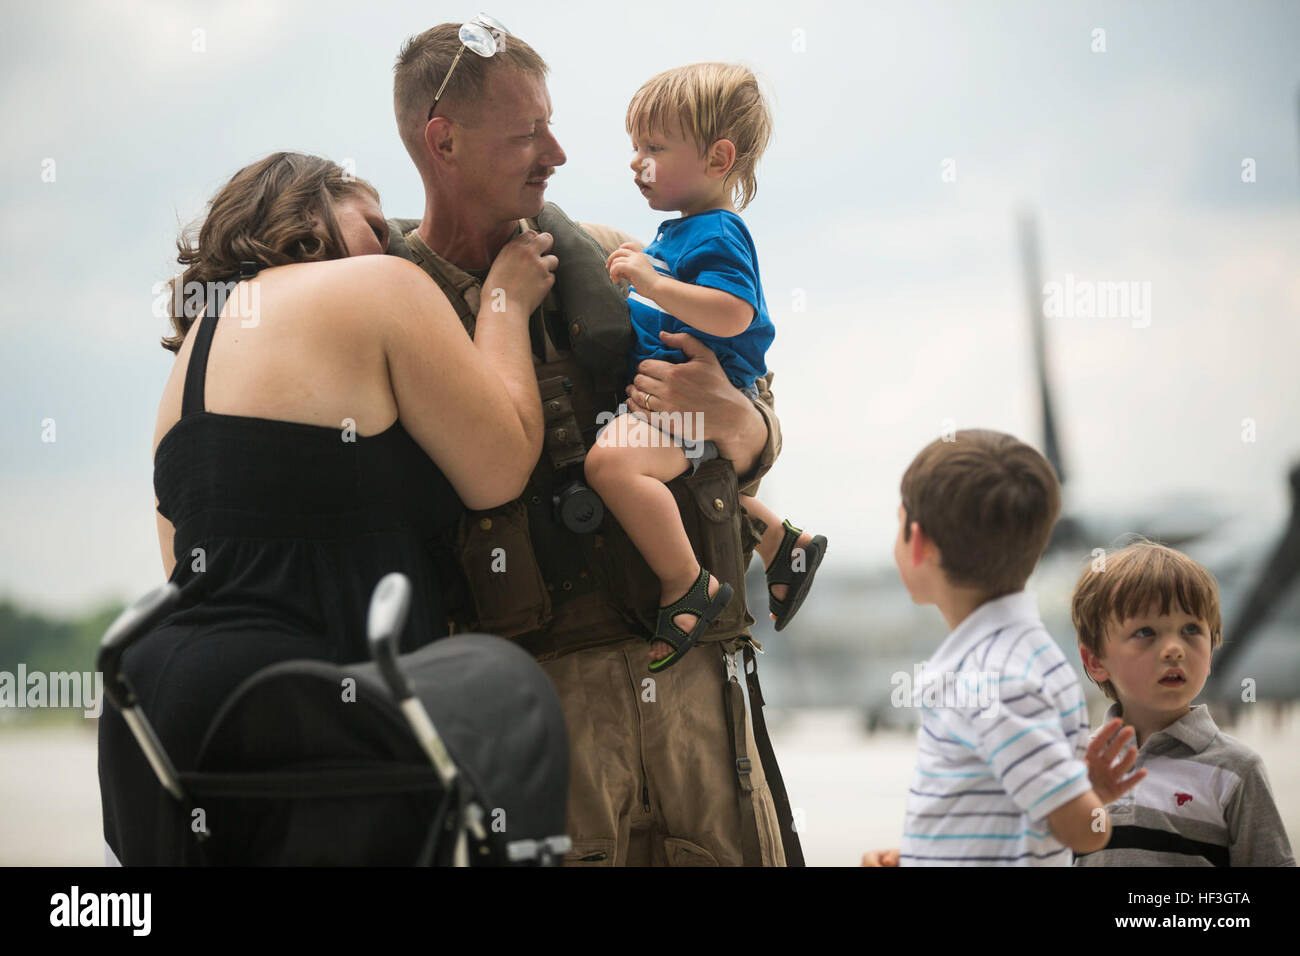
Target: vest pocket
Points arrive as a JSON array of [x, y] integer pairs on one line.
[[709, 504], [501, 568], [751, 533], [563, 437]]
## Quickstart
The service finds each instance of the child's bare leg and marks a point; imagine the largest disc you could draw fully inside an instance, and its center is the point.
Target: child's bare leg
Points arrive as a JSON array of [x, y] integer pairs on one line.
[[631, 479], [771, 540]]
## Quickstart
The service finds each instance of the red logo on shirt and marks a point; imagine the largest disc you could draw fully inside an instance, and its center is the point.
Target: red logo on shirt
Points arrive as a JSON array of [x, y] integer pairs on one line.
[[1182, 798]]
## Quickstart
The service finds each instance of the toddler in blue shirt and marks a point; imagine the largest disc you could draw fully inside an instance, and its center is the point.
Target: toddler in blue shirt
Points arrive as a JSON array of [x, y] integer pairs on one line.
[[698, 132]]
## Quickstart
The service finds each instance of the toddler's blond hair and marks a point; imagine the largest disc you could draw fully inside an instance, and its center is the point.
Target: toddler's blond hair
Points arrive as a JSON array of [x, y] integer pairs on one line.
[[709, 102]]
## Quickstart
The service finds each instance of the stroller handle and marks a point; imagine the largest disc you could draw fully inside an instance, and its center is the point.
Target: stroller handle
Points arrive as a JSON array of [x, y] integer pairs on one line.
[[389, 606], [134, 622]]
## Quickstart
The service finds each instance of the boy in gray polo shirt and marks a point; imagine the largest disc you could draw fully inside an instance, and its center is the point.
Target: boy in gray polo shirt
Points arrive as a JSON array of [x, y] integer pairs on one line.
[[1148, 620]]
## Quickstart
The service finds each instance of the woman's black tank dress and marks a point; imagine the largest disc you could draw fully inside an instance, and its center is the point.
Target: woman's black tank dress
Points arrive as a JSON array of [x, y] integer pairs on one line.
[[282, 532]]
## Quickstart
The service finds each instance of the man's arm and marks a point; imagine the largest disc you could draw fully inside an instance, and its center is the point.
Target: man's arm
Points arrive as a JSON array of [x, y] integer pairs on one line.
[[770, 437], [729, 418], [746, 432]]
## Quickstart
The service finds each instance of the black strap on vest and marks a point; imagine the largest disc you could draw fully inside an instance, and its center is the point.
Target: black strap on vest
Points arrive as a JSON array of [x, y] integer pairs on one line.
[[775, 783], [751, 849], [196, 373]]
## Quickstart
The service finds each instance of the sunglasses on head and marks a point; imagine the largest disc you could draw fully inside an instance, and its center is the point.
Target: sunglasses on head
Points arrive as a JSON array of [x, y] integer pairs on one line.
[[483, 35]]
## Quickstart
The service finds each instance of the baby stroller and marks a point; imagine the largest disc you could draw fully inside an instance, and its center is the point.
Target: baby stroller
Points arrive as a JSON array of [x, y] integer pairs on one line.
[[454, 754]]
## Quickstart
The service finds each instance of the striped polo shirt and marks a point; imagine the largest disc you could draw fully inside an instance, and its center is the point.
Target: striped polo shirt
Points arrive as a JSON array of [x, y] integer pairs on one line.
[[1205, 801], [1003, 732]]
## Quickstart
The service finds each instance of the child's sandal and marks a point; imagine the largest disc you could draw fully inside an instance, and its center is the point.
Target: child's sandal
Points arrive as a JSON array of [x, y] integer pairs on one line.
[[782, 571], [695, 601]]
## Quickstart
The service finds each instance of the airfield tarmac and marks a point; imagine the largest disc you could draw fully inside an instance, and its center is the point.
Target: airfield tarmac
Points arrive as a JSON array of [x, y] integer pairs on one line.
[[847, 788]]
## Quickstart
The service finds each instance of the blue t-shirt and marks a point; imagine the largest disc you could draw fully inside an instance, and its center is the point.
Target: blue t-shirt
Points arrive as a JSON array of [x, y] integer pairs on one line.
[[712, 249]]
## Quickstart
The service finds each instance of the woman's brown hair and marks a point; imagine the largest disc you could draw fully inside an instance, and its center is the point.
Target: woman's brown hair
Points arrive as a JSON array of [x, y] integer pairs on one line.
[[274, 211]]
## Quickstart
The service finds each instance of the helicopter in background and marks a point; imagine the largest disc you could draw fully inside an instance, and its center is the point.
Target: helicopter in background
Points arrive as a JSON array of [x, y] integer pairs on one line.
[[851, 645]]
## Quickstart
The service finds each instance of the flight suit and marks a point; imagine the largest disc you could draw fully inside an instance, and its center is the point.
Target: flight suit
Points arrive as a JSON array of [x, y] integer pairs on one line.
[[656, 775]]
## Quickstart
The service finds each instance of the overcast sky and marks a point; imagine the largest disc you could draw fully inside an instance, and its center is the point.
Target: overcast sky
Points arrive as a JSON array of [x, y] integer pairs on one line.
[[1132, 158]]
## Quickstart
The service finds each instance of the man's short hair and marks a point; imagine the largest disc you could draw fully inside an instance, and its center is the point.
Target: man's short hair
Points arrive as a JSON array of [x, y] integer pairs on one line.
[[423, 63], [1133, 580], [709, 102], [988, 501]]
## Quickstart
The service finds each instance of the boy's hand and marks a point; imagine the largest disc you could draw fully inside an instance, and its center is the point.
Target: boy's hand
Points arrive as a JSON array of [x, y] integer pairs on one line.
[[630, 263], [880, 858], [1107, 777]]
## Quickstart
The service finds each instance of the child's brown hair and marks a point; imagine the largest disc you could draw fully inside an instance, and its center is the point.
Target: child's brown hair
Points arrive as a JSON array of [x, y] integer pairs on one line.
[[709, 102], [989, 502], [1133, 580]]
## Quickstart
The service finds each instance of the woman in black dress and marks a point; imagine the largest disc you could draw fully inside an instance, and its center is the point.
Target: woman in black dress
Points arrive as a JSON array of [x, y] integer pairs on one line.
[[321, 430]]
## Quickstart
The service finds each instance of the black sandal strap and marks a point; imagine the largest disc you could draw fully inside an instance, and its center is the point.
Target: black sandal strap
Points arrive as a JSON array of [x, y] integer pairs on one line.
[[782, 570], [685, 605]]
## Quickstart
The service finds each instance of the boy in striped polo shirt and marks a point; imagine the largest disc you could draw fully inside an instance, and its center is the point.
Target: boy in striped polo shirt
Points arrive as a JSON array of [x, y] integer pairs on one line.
[[1148, 621], [1001, 777]]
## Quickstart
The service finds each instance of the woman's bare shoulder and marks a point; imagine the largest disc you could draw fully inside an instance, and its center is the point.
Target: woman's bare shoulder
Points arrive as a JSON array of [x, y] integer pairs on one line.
[[362, 278], [366, 301], [366, 296]]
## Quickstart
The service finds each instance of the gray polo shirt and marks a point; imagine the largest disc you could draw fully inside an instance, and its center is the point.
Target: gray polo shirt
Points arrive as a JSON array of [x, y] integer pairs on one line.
[[1204, 802]]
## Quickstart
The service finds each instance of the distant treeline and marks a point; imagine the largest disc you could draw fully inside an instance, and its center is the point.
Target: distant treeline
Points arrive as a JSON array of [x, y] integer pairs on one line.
[[51, 644]]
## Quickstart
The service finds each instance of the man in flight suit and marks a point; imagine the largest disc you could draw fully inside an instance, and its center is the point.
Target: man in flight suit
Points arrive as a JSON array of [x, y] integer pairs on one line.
[[662, 770]]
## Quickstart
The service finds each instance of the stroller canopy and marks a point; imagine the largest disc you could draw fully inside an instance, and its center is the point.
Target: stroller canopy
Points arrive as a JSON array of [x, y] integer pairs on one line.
[[310, 763]]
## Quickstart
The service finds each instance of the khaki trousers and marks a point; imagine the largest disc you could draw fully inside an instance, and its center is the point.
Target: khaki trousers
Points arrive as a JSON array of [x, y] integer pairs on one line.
[[652, 773]]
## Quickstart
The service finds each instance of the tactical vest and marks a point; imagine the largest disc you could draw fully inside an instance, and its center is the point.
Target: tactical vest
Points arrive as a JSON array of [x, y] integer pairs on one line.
[[521, 564]]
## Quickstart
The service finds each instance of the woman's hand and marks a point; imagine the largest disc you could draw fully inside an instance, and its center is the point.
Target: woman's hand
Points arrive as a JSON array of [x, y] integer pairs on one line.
[[521, 275]]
